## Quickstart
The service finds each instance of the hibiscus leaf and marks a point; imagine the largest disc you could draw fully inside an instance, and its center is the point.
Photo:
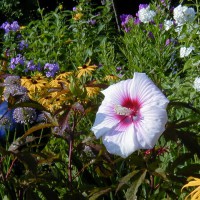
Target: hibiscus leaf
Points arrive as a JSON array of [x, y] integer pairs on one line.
[[125, 179], [28, 160], [98, 192], [189, 139], [132, 191], [179, 161], [189, 170]]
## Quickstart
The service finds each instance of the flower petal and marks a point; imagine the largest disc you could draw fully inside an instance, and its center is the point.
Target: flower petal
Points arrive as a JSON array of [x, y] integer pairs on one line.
[[105, 119], [117, 92], [151, 126], [121, 143], [147, 92]]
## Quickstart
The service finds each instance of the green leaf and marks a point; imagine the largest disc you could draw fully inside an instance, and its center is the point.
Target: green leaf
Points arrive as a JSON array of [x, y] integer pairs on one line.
[[28, 160], [132, 191], [36, 128], [99, 192], [126, 179]]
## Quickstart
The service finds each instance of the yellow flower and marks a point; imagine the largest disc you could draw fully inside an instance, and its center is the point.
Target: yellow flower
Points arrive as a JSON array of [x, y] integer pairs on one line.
[[22, 27], [64, 76], [60, 7], [86, 69], [111, 78], [34, 83], [53, 101], [195, 194], [92, 91], [77, 16]]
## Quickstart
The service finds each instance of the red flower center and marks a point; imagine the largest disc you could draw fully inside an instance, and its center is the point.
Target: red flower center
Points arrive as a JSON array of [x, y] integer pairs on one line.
[[129, 111]]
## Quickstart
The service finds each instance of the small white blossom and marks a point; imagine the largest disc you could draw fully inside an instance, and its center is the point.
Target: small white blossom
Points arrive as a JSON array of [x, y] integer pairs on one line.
[[168, 24], [146, 15], [184, 51], [183, 14], [197, 84]]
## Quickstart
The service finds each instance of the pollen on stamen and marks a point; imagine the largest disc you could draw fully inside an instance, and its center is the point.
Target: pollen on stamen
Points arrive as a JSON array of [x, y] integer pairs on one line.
[[120, 110]]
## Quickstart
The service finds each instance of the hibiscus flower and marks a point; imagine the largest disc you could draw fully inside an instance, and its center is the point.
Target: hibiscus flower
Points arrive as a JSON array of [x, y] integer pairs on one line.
[[132, 116]]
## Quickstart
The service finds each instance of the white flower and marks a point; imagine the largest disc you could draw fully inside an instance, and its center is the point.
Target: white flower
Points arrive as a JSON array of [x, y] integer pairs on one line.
[[132, 116], [184, 51], [183, 14], [168, 24], [197, 84], [146, 15]]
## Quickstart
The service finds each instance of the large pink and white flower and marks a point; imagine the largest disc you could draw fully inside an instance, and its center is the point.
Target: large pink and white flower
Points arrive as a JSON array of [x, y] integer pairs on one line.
[[132, 115]]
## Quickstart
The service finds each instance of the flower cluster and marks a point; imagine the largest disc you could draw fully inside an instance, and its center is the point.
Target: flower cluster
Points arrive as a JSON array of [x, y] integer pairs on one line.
[[24, 115], [184, 51], [125, 20], [144, 14], [23, 45], [32, 67], [14, 26], [19, 59], [183, 14], [51, 69]]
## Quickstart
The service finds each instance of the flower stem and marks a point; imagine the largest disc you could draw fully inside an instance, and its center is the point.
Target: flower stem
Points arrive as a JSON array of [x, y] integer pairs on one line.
[[69, 163]]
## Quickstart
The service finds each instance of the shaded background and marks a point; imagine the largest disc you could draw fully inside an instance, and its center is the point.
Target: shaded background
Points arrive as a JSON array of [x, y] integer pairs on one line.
[[26, 10]]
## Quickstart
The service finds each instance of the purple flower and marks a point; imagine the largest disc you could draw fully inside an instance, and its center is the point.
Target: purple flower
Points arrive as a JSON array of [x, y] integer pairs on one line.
[[17, 60], [92, 21], [163, 2], [119, 68], [30, 66], [10, 27], [168, 41], [15, 26], [74, 8], [161, 26], [51, 69], [141, 6], [150, 35], [6, 27], [125, 20], [23, 44], [136, 21]]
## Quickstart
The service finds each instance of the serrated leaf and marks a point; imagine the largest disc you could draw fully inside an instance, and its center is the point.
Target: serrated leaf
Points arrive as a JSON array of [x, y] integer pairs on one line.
[[100, 192], [132, 191], [125, 179], [160, 173]]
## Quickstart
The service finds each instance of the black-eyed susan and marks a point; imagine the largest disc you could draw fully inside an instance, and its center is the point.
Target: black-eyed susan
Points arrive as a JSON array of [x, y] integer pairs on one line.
[[60, 82], [192, 182], [53, 101], [86, 69], [111, 77], [92, 91], [34, 83], [64, 76]]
